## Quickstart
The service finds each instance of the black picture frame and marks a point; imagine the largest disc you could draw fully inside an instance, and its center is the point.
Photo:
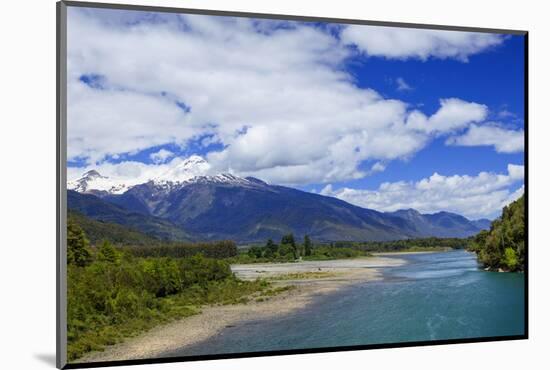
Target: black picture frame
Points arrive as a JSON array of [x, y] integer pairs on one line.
[[61, 186]]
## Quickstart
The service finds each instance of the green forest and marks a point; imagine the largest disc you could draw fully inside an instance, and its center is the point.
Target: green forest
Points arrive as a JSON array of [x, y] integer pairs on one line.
[[113, 294], [406, 245], [288, 249], [503, 246]]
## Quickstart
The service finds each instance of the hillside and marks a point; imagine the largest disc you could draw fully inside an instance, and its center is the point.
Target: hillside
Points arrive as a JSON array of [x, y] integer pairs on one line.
[[97, 231], [503, 246], [100, 210]]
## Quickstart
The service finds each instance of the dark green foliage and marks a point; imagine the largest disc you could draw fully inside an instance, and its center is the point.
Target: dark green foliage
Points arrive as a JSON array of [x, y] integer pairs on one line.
[[219, 249], [78, 252], [97, 231], [142, 245], [503, 246], [108, 301], [108, 253], [270, 249], [288, 245], [288, 239], [113, 294], [307, 246], [478, 241], [255, 252], [326, 252], [286, 251], [422, 244]]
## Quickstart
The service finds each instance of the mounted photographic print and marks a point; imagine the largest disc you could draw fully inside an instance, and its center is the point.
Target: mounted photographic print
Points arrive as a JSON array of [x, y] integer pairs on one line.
[[235, 184]]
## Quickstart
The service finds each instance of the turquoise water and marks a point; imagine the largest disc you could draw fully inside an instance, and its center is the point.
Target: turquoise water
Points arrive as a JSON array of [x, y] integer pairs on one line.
[[434, 296]]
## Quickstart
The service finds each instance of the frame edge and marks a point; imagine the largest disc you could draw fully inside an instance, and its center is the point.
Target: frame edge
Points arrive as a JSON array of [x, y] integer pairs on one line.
[[61, 193]]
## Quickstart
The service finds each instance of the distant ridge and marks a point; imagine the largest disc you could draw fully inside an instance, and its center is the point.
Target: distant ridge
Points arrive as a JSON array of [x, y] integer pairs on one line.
[[225, 206]]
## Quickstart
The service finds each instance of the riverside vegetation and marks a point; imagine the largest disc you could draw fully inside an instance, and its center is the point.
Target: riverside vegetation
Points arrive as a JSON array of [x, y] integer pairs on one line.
[[113, 294], [122, 282], [503, 246], [289, 250]]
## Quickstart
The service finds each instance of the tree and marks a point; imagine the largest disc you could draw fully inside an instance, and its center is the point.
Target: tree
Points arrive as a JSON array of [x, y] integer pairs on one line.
[[78, 252], [510, 259], [289, 240], [255, 252], [270, 249], [307, 245], [478, 241], [503, 246], [108, 253]]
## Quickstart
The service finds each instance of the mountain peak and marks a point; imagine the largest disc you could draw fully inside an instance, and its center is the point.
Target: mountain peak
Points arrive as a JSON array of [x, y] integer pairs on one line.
[[92, 181], [408, 212], [91, 174], [255, 180], [185, 170], [223, 178]]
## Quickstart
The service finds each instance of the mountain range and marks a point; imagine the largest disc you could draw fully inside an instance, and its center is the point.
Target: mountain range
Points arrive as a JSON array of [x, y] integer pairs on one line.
[[188, 205]]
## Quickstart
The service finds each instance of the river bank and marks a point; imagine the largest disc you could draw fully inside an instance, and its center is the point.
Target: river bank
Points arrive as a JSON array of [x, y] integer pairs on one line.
[[310, 279]]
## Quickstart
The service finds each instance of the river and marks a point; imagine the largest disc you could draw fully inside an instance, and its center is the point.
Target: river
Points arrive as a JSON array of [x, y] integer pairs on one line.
[[434, 296]]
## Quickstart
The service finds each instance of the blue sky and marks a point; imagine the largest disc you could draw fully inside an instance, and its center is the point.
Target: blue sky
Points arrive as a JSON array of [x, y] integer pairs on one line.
[[384, 118], [495, 78]]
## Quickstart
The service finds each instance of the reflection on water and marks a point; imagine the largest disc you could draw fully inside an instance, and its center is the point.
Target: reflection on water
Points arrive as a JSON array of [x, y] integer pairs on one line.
[[434, 296]]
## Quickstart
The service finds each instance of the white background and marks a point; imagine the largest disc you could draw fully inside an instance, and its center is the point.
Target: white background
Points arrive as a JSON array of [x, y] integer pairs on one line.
[[27, 183]]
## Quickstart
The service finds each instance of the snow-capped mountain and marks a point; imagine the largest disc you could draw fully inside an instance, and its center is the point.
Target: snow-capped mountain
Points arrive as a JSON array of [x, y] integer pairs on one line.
[[183, 171], [92, 181], [189, 171], [222, 178], [186, 196]]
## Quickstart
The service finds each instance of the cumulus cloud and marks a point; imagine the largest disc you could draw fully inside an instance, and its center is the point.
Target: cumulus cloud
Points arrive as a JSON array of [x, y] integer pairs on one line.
[[506, 114], [503, 140], [478, 196], [408, 43], [273, 97], [453, 115]]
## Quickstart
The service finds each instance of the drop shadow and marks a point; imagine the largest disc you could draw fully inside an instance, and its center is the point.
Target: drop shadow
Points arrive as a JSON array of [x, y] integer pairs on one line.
[[47, 358]]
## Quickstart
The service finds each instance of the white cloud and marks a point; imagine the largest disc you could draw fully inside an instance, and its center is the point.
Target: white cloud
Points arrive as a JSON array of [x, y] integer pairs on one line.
[[506, 114], [274, 98], [402, 85], [454, 114], [378, 167], [503, 140], [405, 43], [161, 156], [478, 196]]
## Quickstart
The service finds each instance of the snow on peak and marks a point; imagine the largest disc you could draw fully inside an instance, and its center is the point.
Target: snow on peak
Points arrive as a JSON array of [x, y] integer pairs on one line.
[[94, 181], [192, 170], [185, 170], [222, 178]]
